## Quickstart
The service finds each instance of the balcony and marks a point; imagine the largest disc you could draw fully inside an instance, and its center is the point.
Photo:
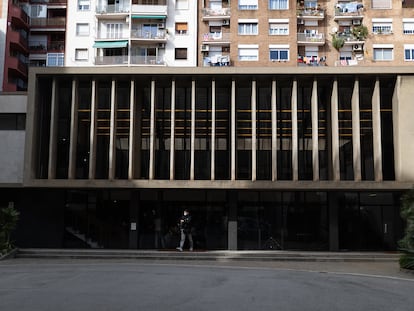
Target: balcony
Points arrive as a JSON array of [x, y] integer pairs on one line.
[[17, 65], [216, 61], [156, 36], [19, 40], [19, 17], [350, 10], [349, 38], [112, 8], [54, 22], [144, 10], [50, 1], [317, 39], [310, 13], [346, 62], [216, 38], [215, 14], [111, 60], [148, 60], [41, 47]]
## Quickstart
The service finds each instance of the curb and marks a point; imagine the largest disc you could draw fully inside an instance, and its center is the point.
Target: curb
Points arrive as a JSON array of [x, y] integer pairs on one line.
[[11, 254]]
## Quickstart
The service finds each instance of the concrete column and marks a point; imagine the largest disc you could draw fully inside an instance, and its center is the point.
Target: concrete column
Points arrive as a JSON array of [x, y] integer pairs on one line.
[[132, 131], [73, 131], [274, 132], [193, 125], [295, 163], [333, 205], [172, 134], [133, 220], [233, 130], [152, 133], [315, 131], [376, 127], [92, 134], [356, 132], [232, 225], [254, 130], [336, 173], [53, 132], [213, 129], [112, 134], [138, 134]]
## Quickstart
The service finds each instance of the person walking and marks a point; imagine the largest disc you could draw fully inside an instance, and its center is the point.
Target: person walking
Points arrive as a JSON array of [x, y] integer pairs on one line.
[[185, 230]]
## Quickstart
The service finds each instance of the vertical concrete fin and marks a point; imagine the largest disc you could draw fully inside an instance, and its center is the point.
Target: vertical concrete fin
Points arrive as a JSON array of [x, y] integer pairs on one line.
[[132, 131], [213, 129], [336, 174], [152, 133], [254, 131], [92, 134], [315, 131], [112, 133], [233, 130], [73, 130], [376, 127], [356, 138], [193, 125], [274, 131], [172, 134], [53, 132], [294, 103]]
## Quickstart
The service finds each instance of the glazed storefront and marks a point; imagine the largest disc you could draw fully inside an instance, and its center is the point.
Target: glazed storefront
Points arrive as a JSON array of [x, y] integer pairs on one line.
[[288, 160]]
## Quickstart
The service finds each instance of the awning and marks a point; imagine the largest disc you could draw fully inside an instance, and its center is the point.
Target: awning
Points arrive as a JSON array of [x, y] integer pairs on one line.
[[150, 16], [110, 44]]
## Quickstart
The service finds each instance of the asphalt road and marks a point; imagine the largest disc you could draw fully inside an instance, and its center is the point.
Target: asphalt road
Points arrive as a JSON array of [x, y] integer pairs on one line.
[[135, 285]]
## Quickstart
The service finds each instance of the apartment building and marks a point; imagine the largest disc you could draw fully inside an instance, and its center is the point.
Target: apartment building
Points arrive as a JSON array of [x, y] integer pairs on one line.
[[296, 33], [132, 33], [33, 34]]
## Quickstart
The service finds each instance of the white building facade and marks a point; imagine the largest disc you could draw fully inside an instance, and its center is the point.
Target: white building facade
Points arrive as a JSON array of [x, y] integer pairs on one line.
[[131, 33]]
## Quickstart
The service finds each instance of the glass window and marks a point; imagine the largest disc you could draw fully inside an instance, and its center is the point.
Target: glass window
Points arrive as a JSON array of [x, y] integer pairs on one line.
[[279, 54], [82, 29], [382, 28], [278, 4], [81, 54], [55, 59], [84, 5], [248, 4], [381, 4], [181, 28], [181, 53], [276, 29], [12, 121], [248, 29], [409, 53], [383, 54], [408, 28], [248, 54]]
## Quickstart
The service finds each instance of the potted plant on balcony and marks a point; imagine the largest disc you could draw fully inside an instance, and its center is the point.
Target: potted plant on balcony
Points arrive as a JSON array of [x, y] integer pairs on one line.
[[337, 41], [360, 32]]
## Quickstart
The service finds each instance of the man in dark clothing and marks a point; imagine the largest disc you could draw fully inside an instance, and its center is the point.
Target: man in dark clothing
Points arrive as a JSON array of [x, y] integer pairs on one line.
[[185, 229]]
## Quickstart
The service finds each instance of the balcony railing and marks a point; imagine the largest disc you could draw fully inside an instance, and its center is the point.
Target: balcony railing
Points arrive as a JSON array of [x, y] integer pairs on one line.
[[311, 38], [111, 60], [147, 60], [50, 1], [19, 37], [141, 34], [112, 36], [349, 9], [346, 62], [48, 22], [310, 12], [160, 9], [217, 60], [216, 12], [19, 64], [17, 12], [216, 37], [349, 37], [112, 8]]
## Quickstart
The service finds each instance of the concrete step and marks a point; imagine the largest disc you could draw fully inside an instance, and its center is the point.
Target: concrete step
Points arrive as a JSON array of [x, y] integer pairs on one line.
[[223, 255]]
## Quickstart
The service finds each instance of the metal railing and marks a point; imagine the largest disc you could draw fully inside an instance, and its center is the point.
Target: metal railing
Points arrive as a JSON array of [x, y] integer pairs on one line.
[[46, 22], [216, 12], [306, 37], [147, 60], [141, 34], [50, 1], [317, 12], [218, 36], [111, 60], [113, 8]]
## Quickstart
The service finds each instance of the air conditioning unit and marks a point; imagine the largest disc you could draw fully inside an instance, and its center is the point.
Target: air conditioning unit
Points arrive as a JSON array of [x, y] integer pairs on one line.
[[226, 22], [357, 48], [161, 45], [356, 22], [205, 48], [161, 25]]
